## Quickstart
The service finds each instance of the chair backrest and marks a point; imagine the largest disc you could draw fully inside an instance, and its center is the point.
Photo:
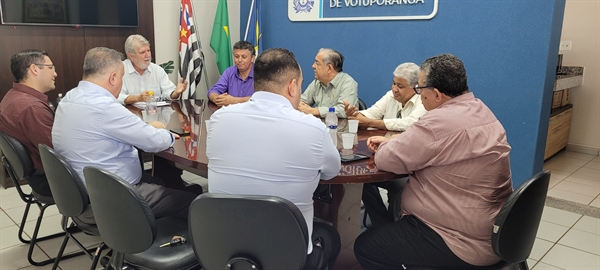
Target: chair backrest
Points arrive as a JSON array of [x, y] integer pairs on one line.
[[68, 190], [361, 105], [517, 222], [17, 156], [124, 219], [269, 231]]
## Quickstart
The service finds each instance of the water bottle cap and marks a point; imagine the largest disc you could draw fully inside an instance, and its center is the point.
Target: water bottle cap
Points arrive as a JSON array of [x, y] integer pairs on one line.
[[151, 93], [60, 94], [332, 109]]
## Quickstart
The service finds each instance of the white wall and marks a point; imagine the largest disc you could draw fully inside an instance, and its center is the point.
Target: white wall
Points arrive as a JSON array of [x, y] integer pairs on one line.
[[581, 25], [166, 32]]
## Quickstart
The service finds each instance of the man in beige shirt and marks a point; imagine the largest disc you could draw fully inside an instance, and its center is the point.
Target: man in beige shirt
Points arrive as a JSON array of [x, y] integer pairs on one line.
[[457, 158]]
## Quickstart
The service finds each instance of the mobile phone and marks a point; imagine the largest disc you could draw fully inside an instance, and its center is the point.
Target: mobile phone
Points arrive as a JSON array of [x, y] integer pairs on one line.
[[180, 132], [354, 157]]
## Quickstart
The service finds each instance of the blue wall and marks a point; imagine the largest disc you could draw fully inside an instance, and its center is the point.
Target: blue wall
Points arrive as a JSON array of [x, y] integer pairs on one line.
[[509, 48]]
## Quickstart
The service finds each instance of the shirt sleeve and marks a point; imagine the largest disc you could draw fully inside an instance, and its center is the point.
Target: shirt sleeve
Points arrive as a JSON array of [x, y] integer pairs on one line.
[[405, 122], [123, 94], [331, 158], [348, 92], [410, 151], [129, 128], [377, 111], [222, 85]]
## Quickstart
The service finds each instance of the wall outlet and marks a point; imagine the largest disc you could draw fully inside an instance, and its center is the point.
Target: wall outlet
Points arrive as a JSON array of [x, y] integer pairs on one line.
[[565, 45]]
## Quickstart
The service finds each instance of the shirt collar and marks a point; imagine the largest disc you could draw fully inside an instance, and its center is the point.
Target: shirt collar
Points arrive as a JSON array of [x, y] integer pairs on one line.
[[30, 91], [335, 80], [264, 95], [250, 75], [461, 98]]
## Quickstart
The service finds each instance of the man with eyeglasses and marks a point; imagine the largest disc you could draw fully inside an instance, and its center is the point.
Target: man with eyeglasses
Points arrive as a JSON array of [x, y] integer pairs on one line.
[[457, 158], [396, 110], [24, 111]]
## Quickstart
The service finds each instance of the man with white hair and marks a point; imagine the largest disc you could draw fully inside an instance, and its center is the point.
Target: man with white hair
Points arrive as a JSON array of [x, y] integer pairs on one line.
[[398, 108], [142, 76]]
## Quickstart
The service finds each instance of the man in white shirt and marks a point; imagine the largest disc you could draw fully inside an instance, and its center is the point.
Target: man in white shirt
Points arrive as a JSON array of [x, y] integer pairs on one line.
[[398, 108], [265, 146], [91, 128], [142, 76]]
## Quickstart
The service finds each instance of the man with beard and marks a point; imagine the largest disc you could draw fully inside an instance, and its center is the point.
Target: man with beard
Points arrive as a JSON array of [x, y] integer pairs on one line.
[[142, 76]]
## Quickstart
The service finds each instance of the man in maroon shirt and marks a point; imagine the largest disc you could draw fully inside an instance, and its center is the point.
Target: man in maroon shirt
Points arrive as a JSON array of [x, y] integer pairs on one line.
[[24, 110]]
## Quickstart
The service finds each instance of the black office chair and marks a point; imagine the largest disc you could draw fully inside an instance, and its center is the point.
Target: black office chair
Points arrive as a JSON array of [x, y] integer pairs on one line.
[[361, 105], [19, 166], [71, 199], [247, 232], [128, 226], [517, 224]]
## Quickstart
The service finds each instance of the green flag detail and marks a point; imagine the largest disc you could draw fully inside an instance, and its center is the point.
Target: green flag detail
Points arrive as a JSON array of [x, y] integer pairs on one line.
[[220, 40]]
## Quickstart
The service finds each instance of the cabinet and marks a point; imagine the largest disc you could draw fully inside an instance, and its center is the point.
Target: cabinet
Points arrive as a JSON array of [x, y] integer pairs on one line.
[[558, 130]]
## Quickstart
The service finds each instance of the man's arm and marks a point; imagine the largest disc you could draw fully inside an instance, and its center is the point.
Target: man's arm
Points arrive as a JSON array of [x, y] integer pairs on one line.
[[181, 87], [408, 152], [37, 122], [129, 128], [331, 158], [220, 87]]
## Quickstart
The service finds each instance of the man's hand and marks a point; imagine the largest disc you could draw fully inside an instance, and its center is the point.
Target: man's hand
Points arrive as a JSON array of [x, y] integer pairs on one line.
[[181, 86], [224, 100], [143, 96], [351, 110], [305, 108], [374, 142]]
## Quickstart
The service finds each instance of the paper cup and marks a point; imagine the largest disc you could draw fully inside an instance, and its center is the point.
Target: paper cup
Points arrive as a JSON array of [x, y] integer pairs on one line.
[[352, 126], [347, 140]]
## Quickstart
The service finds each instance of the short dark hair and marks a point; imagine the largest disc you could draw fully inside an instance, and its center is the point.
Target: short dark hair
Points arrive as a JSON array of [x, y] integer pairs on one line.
[[244, 45], [20, 62], [333, 57], [99, 60], [274, 68], [446, 73]]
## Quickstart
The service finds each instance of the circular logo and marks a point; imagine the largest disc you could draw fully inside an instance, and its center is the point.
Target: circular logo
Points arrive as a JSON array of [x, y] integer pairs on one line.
[[303, 5]]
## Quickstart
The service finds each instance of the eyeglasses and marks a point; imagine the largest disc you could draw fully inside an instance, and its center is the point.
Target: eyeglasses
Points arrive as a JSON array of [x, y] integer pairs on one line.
[[418, 88], [47, 65]]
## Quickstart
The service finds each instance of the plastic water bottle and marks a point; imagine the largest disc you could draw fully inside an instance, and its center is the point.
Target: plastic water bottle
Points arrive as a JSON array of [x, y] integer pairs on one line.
[[331, 121], [151, 107], [58, 99]]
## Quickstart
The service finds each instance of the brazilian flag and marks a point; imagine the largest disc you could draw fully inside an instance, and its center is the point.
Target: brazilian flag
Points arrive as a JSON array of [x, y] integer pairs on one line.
[[220, 40]]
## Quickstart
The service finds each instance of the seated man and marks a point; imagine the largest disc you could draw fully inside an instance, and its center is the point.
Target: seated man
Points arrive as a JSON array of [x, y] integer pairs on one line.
[[397, 110], [330, 87], [142, 76], [457, 158], [24, 111], [93, 129], [236, 83], [266, 147]]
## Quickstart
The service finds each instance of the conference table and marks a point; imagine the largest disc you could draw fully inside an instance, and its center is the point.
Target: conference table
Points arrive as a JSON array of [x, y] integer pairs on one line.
[[342, 208]]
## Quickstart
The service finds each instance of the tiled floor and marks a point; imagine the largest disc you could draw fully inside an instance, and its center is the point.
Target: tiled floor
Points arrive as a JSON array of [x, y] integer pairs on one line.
[[565, 240]]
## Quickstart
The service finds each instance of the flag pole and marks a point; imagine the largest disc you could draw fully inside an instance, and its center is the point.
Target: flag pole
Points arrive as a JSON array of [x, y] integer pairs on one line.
[[200, 47], [249, 18]]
